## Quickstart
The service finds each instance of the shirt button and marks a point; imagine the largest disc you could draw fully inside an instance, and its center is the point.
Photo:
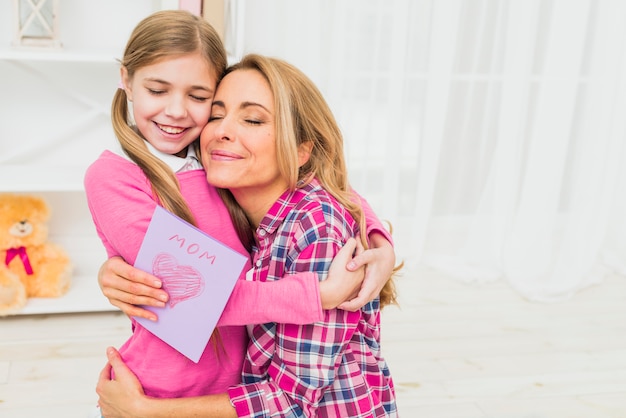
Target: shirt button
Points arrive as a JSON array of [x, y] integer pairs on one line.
[[262, 232], [258, 263]]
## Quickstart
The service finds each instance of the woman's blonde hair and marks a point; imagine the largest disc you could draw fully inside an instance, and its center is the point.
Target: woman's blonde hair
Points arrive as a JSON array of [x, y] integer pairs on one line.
[[302, 115], [163, 35]]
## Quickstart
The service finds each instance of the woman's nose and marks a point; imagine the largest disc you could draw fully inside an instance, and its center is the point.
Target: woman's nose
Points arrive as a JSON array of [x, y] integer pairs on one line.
[[215, 130], [223, 129]]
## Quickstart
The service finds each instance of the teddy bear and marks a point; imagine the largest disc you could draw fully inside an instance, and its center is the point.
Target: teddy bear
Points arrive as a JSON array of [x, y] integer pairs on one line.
[[30, 265], [12, 292]]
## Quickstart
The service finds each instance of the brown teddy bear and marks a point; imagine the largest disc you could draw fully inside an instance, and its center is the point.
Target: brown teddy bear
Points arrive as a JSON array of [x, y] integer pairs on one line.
[[12, 292], [30, 266]]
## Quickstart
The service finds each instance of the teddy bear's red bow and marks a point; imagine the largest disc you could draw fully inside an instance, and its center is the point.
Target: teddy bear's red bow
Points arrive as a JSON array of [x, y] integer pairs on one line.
[[21, 251]]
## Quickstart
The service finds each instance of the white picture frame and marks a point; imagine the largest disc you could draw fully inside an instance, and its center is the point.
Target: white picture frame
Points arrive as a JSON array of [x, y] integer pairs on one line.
[[36, 23]]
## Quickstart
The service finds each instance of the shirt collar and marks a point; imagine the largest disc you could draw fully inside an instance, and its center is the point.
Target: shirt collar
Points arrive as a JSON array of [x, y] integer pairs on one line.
[[285, 203], [172, 161]]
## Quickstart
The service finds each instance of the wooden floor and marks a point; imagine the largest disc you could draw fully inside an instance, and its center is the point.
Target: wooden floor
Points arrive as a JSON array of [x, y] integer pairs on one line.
[[455, 351]]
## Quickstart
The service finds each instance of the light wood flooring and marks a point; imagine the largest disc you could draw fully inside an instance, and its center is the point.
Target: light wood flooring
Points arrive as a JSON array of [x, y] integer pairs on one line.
[[455, 351]]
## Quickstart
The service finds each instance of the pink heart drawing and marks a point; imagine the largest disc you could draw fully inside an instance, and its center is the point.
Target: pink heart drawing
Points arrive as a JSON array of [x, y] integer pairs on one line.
[[179, 281]]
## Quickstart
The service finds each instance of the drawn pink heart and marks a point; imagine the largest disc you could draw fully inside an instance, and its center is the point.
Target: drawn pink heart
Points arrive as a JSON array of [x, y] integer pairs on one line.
[[179, 281]]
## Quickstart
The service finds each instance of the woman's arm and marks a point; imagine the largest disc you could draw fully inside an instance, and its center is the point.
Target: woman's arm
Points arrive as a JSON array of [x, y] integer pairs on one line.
[[123, 397]]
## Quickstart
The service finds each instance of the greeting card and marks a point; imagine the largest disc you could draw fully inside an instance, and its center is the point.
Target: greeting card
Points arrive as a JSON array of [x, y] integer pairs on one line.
[[197, 271]]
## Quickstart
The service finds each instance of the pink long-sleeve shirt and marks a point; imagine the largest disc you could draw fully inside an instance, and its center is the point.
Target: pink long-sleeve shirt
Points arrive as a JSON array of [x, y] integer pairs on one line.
[[121, 202]]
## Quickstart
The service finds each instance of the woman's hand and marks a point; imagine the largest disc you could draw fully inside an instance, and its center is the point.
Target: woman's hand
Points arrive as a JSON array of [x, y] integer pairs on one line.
[[122, 395], [126, 287], [379, 262]]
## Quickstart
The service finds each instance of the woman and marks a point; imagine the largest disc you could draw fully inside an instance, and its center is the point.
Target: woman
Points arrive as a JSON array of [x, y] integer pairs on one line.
[[272, 142]]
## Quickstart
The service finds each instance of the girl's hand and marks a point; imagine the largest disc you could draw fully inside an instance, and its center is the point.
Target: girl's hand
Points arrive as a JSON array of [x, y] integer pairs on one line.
[[342, 284], [126, 287], [379, 262]]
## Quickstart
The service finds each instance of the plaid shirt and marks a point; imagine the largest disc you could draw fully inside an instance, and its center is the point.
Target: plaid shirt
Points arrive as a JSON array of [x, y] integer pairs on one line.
[[332, 368]]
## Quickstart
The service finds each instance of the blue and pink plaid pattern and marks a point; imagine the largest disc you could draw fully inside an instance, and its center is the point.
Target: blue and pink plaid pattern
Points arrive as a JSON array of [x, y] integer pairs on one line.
[[332, 368]]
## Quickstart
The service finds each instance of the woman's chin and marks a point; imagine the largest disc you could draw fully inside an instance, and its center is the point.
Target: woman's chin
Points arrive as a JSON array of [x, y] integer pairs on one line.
[[223, 182]]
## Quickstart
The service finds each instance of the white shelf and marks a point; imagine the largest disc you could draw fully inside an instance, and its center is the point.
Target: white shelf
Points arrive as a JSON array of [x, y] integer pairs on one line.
[[71, 228], [60, 55], [56, 116], [84, 295], [35, 178]]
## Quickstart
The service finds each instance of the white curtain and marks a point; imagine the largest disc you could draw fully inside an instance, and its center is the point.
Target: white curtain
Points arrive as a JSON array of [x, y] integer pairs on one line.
[[491, 133]]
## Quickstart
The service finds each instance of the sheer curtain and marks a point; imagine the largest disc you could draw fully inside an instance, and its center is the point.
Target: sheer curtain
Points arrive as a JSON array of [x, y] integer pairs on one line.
[[489, 132]]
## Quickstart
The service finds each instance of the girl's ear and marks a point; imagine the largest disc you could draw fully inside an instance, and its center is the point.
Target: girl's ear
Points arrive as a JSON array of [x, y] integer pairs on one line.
[[126, 84], [304, 152]]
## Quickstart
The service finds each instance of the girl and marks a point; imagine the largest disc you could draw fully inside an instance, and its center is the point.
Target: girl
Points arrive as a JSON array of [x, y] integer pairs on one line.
[[169, 73]]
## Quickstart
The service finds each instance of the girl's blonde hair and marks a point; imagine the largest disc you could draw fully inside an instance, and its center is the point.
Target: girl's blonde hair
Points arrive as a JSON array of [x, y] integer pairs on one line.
[[302, 115], [163, 35]]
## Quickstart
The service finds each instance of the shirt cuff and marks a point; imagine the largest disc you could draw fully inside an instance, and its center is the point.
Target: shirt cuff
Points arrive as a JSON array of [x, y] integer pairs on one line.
[[382, 231], [248, 401]]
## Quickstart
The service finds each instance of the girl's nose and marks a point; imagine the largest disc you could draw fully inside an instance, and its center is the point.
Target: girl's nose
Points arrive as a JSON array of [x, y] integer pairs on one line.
[[176, 107]]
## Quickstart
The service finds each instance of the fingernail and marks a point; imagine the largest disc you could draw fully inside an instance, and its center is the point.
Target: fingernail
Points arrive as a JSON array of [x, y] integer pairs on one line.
[[163, 298], [157, 283], [351, 265]]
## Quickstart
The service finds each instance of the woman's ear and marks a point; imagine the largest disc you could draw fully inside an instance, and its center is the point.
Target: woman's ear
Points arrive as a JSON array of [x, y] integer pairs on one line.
[[304, 152]]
